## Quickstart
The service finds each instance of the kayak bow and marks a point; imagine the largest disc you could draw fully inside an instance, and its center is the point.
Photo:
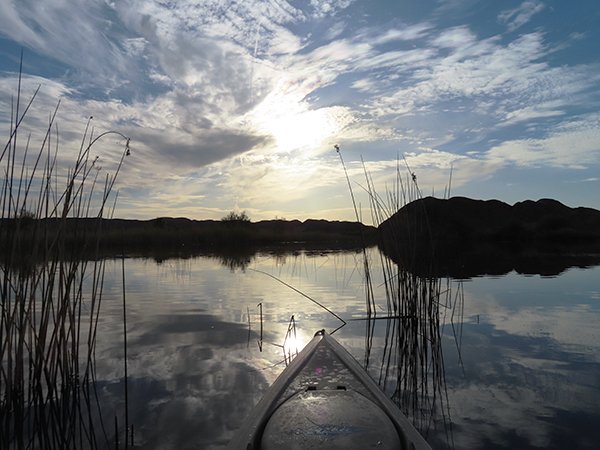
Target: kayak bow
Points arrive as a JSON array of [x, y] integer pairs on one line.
[[325, 399]]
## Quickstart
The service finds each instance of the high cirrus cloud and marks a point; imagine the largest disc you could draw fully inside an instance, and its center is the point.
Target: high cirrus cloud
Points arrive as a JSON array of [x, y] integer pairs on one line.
[[572, 144], [517, 17]]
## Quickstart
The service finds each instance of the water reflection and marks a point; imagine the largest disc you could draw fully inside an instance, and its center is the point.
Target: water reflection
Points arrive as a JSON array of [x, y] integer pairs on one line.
[[527, 375], [468, 260], [530, 363], [409, 363], [188, 382]]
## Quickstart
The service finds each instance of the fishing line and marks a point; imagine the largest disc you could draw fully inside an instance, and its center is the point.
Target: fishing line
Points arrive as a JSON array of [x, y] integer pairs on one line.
[[304, 295]]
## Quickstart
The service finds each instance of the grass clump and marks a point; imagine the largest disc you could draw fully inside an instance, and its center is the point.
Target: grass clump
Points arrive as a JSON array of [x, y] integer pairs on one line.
[[50, 294], [417, 303]]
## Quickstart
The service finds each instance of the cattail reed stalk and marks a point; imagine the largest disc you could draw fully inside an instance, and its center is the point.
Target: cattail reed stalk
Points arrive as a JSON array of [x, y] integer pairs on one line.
[[369, 293], [411, 358], [47, 333]]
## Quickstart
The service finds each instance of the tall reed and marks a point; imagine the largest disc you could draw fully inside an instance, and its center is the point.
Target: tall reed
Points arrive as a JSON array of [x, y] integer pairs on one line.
[[417, 303], [50, 293]]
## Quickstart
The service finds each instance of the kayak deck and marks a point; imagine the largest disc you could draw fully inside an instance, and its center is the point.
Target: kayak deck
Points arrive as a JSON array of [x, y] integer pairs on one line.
[[325, 399]]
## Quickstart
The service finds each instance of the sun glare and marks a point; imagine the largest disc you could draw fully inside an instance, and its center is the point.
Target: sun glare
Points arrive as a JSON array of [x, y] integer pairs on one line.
[[288, 118], [294, 343], [306, 129]]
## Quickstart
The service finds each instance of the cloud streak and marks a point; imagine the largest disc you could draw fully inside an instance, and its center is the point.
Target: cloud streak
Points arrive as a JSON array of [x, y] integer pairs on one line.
[[574, 145], [516, 18]]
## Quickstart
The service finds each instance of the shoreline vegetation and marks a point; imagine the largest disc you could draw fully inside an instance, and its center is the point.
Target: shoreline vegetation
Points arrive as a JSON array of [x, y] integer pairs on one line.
[[117, 236], [465, 235], [432, 221]]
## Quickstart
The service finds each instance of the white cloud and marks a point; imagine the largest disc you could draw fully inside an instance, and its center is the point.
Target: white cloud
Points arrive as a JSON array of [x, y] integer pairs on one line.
[[426, 157], [15, 26], [515, 18], [402, 59], [335, 30], [67, 31], [550, 109], [275, 179], [435, 169], [587, 180], [324, 8], [360, 53], [454, 38], [365, 85], [406, 33], [509, 81], [47, 97], [572, 144], [135, 46]]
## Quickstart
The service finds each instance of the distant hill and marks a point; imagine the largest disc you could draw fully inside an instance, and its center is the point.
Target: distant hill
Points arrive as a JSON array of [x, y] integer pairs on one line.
[[464, 219], [462, 237]]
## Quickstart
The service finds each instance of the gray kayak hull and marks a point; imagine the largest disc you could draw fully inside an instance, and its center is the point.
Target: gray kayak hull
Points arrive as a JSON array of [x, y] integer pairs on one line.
[[325, 399]]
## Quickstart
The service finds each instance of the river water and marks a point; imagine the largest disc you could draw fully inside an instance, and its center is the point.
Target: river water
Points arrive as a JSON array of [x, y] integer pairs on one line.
[[520, 366]]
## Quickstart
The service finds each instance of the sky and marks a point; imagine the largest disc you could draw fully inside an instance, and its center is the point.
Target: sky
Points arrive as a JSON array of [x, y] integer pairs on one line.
[[237, 105]]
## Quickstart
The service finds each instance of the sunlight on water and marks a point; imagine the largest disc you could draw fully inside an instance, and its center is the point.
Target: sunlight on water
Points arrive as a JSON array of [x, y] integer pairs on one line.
[[293, 344]]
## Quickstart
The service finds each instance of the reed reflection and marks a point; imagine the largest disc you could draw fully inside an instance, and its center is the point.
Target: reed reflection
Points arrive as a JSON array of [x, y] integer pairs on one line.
[[409, 365]]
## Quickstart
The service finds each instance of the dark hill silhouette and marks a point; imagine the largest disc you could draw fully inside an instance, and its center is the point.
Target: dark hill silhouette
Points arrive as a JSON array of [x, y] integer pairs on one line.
[[463, 237], [464, 219]]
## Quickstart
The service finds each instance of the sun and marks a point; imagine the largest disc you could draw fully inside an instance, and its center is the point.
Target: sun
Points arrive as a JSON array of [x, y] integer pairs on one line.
[[290, 119], [296, 130]]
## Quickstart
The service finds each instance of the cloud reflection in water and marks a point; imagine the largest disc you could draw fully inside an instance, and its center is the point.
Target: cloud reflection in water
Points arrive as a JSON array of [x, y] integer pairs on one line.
[[529, 350]]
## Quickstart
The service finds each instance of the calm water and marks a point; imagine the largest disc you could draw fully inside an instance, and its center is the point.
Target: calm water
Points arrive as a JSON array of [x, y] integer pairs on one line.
[[521, 353]]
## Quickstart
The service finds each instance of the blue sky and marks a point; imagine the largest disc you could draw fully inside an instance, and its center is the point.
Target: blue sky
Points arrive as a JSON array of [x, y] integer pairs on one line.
[[236, 105]]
